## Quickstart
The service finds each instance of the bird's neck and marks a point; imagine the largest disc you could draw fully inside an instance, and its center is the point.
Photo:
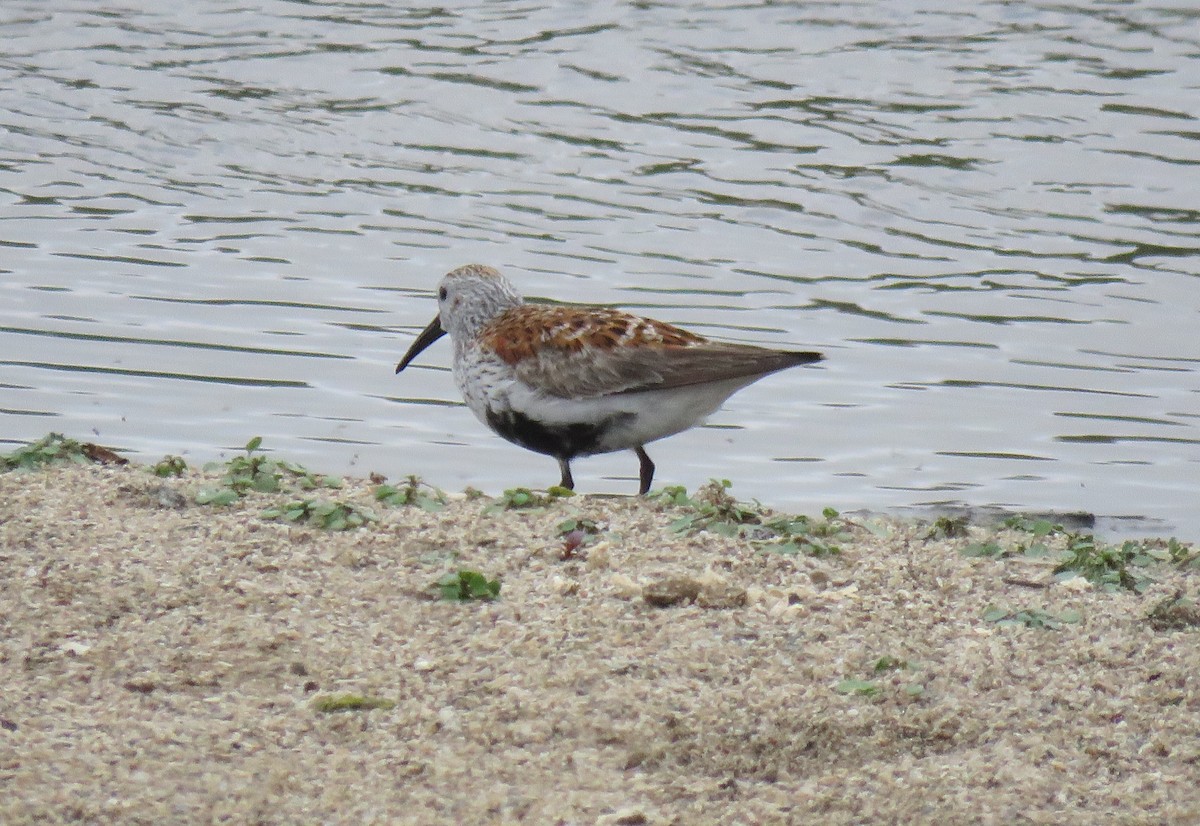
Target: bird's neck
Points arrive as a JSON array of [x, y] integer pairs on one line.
[[469, 324]]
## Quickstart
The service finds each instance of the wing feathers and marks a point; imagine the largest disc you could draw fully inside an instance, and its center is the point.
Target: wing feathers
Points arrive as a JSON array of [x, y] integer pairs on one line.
[[583, 352], [630, 369]]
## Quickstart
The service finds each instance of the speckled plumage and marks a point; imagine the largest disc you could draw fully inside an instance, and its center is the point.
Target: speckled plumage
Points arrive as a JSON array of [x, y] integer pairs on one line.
[[575, 381]]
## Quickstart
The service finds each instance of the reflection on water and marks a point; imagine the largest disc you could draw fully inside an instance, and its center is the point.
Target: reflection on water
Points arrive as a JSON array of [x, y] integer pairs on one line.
[[218, 222]]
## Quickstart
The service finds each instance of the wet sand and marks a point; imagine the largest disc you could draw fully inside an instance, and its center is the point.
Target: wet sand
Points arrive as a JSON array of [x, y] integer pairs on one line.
[[164, 662]]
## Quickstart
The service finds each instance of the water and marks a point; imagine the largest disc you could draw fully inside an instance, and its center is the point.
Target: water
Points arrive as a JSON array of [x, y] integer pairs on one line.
[[219, 222]]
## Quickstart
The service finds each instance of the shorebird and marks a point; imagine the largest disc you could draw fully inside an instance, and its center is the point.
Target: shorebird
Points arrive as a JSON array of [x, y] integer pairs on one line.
[[571, 381]]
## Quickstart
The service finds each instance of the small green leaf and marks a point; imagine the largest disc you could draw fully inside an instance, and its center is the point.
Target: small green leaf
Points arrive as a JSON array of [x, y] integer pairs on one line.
[[391, 495], [465, 585], [1042, 527], [170, 466], [1029, 618], [517, 498], [682, 524], [982, 549], [350, 702], [673, 495], [864, 688], [264, 483], [216, 496], [727, 529]]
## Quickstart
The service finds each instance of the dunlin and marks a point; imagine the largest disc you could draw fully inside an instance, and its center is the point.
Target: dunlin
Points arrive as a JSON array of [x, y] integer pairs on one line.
[[575, 381]]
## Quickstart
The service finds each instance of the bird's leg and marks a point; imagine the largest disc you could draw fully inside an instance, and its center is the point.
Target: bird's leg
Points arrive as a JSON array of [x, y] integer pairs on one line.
[[646, 472], [568, 481]]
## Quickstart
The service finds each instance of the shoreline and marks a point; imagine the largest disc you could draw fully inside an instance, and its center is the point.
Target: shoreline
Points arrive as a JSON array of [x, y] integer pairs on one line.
[[669, 659]]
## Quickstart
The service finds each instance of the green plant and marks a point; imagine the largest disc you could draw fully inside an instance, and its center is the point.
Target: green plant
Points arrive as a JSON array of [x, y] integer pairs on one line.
[[414, 493], [587, 526], [992, 550], [1080, 554], [259, 473], [880, 669], [948, 527], [464, 586], [672, 496], [332, 516], [1174, 613], [518, 498], [888, 663], [169, 466], [719, 505], [802, 535], [1105, 565], [1040, 529], [335, 703], [51, 449], [1035, 526], [1030, 618], [1182, 554], [523, 499], [576, 533], [862, 688], [714, 510]]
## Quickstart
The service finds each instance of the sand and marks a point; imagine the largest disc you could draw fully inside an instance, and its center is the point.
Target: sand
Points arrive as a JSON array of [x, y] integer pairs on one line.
[[164, 662]]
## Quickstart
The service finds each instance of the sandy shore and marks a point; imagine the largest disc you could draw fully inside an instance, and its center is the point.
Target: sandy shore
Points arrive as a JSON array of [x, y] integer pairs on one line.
[[163, 661]]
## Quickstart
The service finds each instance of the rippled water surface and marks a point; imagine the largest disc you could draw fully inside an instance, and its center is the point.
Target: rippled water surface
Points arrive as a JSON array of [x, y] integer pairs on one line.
[[219, 222]]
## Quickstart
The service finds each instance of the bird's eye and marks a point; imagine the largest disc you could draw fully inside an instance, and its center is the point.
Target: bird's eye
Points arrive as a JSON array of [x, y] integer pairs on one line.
[[442, 294]]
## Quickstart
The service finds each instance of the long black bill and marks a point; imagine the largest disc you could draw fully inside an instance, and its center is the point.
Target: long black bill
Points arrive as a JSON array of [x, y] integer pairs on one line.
[[428, 336]]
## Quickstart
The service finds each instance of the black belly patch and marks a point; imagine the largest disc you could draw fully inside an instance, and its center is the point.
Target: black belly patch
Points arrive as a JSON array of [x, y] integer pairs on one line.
[[562, 441]]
